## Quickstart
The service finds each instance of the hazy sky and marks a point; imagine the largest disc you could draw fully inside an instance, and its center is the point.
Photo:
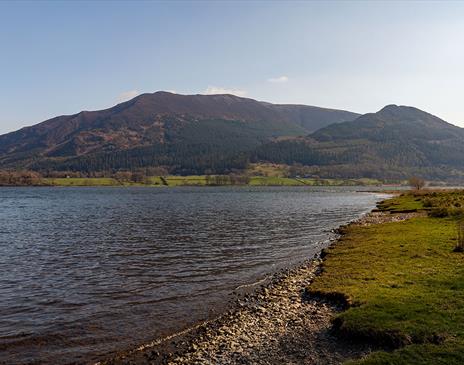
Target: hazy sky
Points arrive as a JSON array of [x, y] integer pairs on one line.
[[63, 57]]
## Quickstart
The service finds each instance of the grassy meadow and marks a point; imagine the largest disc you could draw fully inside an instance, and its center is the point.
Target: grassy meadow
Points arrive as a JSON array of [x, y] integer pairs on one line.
[[101, 181], [402, 282], [149, 181], [201, 180], [258, 174]]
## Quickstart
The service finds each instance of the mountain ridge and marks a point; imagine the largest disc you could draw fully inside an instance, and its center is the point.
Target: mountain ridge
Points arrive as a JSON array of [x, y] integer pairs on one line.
[[203, 134], [158, 118], [396, 142]]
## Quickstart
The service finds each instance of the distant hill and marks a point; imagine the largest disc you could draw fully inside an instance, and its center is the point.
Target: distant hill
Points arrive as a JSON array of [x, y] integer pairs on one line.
[[198, 134], [395, 142], [187, 133]]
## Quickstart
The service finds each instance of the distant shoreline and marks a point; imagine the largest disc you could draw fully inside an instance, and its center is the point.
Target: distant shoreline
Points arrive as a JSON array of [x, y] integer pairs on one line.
[[202, 180]]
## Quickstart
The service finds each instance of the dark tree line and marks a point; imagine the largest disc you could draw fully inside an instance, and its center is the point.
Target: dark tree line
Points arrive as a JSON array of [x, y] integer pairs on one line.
[[176, 159], [20, 178], [232, 179]]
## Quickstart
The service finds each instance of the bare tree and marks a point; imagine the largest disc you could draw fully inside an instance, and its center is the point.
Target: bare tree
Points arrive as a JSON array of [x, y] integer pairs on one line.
[[416, 182]]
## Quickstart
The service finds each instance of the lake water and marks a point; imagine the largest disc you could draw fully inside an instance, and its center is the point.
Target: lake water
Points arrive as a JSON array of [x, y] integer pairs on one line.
[[85, 272]]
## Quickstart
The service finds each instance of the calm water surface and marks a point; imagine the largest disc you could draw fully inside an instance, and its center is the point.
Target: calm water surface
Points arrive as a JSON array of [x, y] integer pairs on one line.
[[88, 271]]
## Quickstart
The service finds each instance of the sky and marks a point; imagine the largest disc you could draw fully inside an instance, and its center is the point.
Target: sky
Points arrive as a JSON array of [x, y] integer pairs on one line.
[[61, 57]]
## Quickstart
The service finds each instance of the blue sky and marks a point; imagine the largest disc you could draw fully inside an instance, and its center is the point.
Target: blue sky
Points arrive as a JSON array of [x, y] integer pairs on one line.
[[64, 57]]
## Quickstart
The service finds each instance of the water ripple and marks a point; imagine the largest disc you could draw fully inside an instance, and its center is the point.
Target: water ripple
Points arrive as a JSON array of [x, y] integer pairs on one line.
[[86, 271]]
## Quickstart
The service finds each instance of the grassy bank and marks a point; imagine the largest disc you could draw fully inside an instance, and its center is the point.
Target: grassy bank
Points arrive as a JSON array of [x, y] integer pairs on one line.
[[201, 180], [402, 282], [80, 182], [149, 181]]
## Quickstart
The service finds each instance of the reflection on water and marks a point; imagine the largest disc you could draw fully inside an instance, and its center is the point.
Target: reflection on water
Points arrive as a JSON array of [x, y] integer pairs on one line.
[[88, 271]]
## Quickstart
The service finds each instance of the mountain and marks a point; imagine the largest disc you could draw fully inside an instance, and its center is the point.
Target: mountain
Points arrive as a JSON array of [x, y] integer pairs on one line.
[[393, 122], [395, 142], [197, 134], [188, 133]]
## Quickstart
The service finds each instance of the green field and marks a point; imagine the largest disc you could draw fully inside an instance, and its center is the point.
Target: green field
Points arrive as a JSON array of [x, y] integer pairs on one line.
[[149, 181], [403, 285], [274, 181], [193, 180], [201, 180], [80, 182]]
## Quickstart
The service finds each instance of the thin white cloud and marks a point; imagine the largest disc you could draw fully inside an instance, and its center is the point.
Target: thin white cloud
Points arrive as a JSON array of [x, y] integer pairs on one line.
[[278, 80], [211, 90], [127, 95]]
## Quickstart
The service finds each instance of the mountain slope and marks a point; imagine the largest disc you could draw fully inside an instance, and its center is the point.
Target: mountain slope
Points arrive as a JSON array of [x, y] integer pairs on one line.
[[312, 118], [395, 142], [160, 124], [393, 121]]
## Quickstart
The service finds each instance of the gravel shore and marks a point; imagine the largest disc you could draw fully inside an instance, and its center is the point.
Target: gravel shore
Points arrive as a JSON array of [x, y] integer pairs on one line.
[[275, 324]]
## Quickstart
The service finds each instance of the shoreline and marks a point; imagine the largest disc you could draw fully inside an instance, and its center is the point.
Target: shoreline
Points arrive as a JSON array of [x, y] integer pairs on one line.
[[276, 322], [386, 188], [201, 180], [241, 333]]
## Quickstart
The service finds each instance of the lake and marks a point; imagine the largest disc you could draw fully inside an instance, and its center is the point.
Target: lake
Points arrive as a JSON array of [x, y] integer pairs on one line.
[[89, 271]]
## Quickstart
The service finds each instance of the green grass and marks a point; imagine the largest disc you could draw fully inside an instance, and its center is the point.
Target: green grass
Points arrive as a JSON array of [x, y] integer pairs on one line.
[[194, 180], [274, 181], [94, 181], [404, 286], [81, 182], [438, 203], [267, 169], [404, 202], [200, 180], [287, 181]]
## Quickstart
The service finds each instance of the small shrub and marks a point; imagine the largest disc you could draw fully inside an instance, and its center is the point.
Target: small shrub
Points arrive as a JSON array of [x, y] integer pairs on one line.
[[460, 244], [439, 212], [428, 203], [456, 212]]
